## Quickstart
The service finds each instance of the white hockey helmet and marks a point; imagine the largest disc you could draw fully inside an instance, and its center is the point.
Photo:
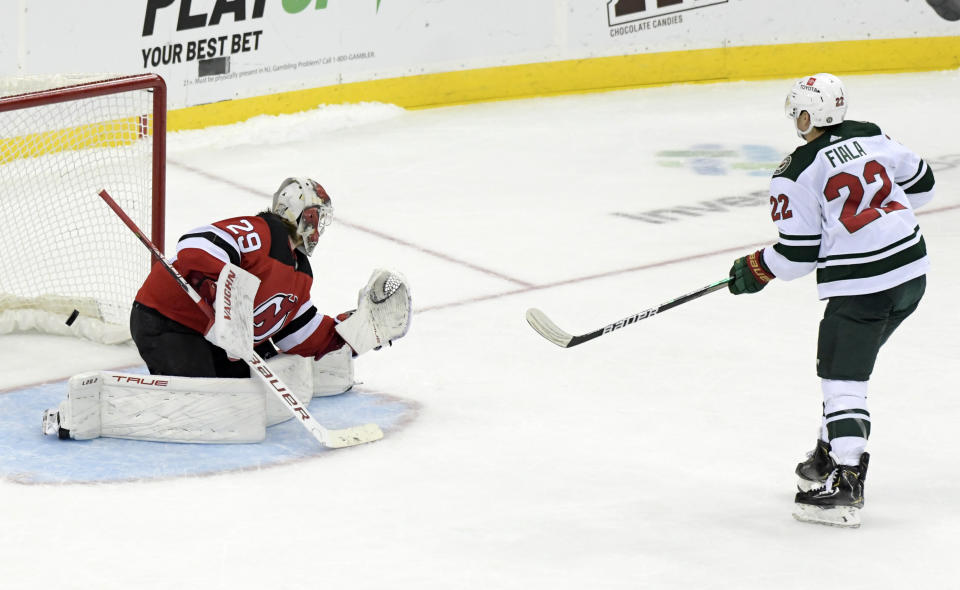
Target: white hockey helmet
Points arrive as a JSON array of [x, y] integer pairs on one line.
[[822, 96], [305, 205]]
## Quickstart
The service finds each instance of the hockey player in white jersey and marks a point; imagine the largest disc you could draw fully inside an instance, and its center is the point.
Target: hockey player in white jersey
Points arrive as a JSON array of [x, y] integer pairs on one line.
[[844, 206]]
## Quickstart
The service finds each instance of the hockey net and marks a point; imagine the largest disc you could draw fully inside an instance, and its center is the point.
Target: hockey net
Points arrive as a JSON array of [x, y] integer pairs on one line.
[[63, 139]]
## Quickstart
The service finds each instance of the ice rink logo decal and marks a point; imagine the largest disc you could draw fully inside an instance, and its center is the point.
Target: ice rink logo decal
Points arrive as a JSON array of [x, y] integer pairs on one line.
[[709, 159], [679, 212], [620, 12]]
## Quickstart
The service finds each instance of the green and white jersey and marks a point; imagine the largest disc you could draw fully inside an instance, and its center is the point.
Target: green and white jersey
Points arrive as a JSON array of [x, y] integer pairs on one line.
[[843, 204]]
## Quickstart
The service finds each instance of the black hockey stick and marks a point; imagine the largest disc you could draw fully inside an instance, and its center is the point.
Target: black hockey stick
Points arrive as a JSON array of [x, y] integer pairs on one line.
[[549, 330]]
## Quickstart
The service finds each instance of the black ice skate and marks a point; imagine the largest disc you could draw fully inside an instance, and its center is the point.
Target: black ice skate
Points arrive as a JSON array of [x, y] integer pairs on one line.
[[815, 469], [838, 501]]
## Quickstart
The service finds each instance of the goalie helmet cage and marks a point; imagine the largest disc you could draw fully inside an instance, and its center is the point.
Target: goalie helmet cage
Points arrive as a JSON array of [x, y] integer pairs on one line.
[[60, 248]]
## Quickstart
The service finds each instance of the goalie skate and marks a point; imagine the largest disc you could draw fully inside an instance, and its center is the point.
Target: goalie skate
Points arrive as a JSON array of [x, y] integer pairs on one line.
[[51, 424]]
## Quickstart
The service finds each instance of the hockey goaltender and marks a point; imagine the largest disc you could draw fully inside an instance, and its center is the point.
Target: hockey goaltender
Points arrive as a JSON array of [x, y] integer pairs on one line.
[[255, 272]]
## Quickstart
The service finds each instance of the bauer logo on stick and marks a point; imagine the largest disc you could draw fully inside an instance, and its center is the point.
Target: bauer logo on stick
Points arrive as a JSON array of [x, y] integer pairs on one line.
[[627, 321]]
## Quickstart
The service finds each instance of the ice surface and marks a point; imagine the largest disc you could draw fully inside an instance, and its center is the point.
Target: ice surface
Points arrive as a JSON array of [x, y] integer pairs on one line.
[[660, 456]]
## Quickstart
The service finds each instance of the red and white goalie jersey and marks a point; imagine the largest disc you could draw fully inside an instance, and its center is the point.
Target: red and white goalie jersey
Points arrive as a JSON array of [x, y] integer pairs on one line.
[[260, 245]]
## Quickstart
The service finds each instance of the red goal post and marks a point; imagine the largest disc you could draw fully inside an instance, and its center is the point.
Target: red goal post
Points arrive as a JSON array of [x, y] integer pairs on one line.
[[61, 141]]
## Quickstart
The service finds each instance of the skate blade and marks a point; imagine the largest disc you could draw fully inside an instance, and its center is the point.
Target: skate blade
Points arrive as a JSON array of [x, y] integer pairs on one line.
[[839, 516]]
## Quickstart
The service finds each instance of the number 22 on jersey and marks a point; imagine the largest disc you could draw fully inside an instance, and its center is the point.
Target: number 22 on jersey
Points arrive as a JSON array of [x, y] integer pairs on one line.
[[780, 208], [850, 216]]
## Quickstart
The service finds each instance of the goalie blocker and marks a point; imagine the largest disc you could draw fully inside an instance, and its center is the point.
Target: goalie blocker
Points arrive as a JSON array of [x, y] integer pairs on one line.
[[192, 409]]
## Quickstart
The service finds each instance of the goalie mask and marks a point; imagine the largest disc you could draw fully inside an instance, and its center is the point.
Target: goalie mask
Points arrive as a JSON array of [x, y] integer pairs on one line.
[[822, 96], [305, 205]]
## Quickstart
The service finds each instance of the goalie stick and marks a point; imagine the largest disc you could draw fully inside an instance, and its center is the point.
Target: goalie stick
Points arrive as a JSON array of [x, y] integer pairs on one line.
[[335, 439], [549, 330]]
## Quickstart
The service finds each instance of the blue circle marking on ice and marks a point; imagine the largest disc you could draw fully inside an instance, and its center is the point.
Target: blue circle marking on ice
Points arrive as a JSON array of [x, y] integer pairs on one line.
[[26, 456]]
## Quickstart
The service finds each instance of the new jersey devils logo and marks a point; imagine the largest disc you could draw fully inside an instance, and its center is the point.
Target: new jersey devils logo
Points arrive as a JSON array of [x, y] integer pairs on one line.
[[272, 314]]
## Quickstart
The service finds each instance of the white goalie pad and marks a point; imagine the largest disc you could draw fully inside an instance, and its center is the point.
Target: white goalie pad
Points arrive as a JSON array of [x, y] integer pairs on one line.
[[164, 408], [383, 313], [333, 374], [295, 373], [232, 329], [307, 378], [196, 410]]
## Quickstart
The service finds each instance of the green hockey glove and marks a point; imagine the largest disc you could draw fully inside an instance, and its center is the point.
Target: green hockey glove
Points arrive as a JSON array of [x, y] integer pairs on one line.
[[749, 274]]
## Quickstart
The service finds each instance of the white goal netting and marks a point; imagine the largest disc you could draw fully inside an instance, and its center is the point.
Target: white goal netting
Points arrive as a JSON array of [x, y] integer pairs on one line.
[[61, 247]]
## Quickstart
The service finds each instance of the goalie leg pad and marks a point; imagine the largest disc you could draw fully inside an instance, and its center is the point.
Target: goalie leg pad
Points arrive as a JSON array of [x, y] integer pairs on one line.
[[333, 373], [383, 313], [80, 412], [164, 408], [307, 378], [296, 374]]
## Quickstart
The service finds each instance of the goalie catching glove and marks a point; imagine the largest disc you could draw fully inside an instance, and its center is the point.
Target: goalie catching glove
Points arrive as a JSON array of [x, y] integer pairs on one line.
[[382, 315]]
